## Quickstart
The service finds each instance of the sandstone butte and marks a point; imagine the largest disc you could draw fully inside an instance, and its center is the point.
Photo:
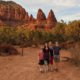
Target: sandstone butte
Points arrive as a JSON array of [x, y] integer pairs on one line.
[[13, 14]]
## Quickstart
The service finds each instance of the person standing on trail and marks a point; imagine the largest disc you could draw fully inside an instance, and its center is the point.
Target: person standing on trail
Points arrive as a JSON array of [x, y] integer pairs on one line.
[[51, 55], [56, 50], [46, 56], [41, 60]]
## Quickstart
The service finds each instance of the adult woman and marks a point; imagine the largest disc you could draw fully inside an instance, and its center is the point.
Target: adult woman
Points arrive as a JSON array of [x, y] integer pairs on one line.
[[46, 56]]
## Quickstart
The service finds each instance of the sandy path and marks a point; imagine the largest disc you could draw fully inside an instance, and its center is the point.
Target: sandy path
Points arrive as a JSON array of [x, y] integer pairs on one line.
[[26, 68]]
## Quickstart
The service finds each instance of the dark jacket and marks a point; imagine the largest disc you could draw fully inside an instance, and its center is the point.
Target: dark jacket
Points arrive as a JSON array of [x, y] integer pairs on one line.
[[46, 53]]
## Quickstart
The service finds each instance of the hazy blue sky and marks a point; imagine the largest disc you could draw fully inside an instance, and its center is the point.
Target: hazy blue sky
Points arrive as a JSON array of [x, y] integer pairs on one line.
[[67, 10]]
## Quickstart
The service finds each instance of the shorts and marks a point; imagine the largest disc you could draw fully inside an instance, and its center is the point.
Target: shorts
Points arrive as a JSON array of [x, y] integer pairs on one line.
[[41, 62], [46, 61], [51, 60], [56, 58]]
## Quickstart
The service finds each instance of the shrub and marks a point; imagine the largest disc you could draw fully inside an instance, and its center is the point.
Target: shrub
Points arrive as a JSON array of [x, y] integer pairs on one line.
[[7, 49], [23, 36], [75, 53]]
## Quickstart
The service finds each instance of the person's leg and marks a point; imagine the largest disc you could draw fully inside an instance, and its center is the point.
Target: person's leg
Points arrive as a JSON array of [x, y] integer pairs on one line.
[[46, 65], [51, 66], [57, 63], [40, 68], [56, 67], [41, 65]]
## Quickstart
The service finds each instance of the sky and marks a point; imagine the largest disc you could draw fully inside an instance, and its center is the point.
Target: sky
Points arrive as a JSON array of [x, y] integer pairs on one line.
[[67, 10]]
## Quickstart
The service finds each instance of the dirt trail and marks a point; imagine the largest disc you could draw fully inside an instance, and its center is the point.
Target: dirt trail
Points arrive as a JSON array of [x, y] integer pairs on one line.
[[26, 68]]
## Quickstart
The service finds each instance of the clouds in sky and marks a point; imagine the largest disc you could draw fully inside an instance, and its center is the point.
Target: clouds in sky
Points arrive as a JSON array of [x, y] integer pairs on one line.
[[64, 9]]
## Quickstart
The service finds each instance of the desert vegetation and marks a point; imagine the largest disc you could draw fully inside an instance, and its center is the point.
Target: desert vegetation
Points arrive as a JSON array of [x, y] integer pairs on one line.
[[21, 35], [75, 54]]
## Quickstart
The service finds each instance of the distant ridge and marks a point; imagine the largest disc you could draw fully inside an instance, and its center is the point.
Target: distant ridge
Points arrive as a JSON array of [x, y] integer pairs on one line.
[[13, 14]]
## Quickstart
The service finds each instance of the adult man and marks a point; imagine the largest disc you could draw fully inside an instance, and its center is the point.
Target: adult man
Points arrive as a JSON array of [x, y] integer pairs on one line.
[[56, 50]]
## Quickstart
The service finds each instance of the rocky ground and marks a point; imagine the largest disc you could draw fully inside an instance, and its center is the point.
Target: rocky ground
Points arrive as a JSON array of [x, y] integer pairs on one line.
[[26, 68]]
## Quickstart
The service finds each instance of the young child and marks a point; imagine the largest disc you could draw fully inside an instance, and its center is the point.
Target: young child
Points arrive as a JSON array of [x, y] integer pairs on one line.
[[41, 60]]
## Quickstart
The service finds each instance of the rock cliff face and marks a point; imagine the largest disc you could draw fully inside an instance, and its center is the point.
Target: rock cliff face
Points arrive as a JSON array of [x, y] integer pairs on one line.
[[11, 11], [41, 19], [12, 14], [51, 17], [31, 18], [51, 20], [40, 15]]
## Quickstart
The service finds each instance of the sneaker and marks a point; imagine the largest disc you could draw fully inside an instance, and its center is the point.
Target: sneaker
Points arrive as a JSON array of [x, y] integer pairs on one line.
[[41, 70]]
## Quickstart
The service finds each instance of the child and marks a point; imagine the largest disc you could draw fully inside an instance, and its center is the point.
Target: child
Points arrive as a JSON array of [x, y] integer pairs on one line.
[[41, 60]]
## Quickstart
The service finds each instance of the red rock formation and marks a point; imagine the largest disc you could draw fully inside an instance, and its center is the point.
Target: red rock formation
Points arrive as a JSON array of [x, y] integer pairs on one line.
[[31, 18], [40, 15], [51, 17], [51, 20], [10, 11], [26, 17], [41, 19], [13, 14]]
